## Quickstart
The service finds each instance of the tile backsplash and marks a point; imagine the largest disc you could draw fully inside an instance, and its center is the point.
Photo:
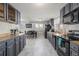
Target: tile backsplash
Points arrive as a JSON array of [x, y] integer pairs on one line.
[[71, 27], [5, 27], [66, 27]]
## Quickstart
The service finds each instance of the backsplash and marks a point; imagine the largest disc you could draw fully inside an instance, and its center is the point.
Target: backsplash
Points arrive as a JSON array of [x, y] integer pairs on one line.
[[5, 27], [65, 27], [71, 27]]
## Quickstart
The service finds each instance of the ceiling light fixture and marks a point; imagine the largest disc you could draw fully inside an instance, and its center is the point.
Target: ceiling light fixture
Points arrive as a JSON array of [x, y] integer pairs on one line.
[[39, 4]]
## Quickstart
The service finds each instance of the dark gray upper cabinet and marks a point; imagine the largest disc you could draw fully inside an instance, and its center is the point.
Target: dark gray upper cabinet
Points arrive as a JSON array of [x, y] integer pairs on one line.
[[69, 14], [61, 14], [52, 21], [18, 17], [9, 14], [74, 6], [67, 8], [75, 17], [67, 19]]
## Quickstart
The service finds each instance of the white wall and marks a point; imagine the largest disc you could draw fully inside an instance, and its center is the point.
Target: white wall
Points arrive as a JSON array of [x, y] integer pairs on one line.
[[36, 26], [56, 23], [5, 27], [65, 27], [71, 27]]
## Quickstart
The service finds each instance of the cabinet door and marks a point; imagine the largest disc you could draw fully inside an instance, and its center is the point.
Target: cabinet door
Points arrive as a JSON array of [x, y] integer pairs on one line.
[[67, 8], [67, 46], [11, 17], [2, 48], [61, 14], [24, 40], [17, 45], [18, 17], [10, 50], [10, 47], [53, 41], [1, 52], [21, 43], [73, 53], [74, 47], [2, 12], [74, 6], [68, 19], [75, 17], [17, 48]]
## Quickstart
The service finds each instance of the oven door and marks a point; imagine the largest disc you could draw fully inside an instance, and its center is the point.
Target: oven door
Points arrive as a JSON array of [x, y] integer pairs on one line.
[[62, 46]]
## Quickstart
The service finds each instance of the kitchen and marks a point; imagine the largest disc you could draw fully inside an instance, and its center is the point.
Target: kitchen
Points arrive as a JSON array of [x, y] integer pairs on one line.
[[25, 24]]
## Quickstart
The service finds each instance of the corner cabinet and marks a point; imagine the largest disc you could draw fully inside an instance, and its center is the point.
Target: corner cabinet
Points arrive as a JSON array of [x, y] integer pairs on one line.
[[9, 14]]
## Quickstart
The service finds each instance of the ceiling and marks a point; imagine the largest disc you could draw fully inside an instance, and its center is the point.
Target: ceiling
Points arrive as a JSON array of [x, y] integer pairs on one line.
[[38, 11]]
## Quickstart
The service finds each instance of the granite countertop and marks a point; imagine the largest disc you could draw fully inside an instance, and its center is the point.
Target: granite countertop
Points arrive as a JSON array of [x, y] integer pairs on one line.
[[75, 42], [65, 37], [7, 36]]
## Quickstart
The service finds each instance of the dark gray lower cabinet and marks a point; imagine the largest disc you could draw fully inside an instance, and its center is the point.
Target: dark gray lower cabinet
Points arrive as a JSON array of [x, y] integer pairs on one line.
[[2, 49], [17, 45], [73, 53], [51, 38], [24, 40], [74, 49], [21, 42], [11, 47], [74, 6]]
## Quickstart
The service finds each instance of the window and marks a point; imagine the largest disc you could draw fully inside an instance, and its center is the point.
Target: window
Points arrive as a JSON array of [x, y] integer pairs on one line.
[[39, 26]]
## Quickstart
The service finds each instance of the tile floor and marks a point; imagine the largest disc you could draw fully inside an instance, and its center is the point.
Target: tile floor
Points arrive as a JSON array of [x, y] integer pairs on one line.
[[38, 47]]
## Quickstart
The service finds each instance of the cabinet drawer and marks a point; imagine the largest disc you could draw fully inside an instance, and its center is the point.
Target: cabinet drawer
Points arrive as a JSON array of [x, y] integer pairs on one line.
[[74, 47], [73, 53]]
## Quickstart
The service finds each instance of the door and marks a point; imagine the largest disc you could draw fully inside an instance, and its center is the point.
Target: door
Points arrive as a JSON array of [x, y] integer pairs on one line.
[[10, 50]]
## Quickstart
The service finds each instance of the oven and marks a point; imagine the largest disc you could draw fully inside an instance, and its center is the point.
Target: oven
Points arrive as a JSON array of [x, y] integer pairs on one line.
[[62, 46]]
